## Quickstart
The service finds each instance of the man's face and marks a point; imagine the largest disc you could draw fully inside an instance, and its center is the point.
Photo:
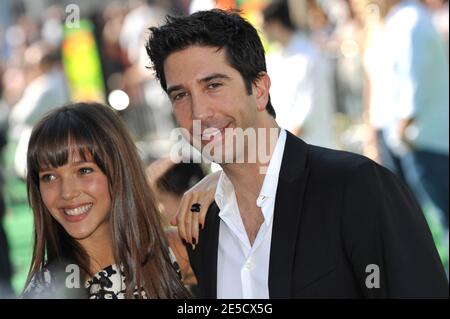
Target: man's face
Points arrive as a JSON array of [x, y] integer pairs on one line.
[[203, 86]]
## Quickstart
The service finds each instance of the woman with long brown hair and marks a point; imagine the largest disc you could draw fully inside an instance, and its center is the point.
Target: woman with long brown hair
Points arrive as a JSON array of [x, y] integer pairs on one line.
[[94, 211]]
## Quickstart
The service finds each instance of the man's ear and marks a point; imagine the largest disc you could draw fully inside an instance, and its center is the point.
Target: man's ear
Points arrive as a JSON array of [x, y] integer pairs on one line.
[[261, 89]]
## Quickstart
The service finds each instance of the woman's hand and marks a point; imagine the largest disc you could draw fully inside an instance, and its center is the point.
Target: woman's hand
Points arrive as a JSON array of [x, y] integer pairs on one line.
[[189, 222]]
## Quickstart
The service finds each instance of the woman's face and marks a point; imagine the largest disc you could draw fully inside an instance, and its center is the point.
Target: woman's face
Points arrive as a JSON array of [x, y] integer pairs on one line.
[[77, 196]]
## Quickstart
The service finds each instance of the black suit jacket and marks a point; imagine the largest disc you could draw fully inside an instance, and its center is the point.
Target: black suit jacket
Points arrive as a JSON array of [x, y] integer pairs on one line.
[[336, 213]]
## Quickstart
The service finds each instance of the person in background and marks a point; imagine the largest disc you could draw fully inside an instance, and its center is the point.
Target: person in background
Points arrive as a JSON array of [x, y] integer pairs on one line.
[[415, 130], [171, 182], [6, 290], [439, 11], [302, 86], [46, 90]]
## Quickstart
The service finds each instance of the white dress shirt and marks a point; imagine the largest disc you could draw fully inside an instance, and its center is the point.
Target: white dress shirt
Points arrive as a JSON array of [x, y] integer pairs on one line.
[[243, 269]]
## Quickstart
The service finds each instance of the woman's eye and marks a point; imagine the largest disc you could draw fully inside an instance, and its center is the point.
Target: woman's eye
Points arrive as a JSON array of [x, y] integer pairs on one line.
[[86, 170], [48, 178]]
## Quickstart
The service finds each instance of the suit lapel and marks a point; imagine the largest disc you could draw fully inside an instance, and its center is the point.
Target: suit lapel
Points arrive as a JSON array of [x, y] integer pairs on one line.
[[207, 249], [287, 212]]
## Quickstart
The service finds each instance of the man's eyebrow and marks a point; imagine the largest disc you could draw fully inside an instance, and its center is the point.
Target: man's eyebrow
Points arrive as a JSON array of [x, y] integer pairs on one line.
[[206, 79], [214, 77]]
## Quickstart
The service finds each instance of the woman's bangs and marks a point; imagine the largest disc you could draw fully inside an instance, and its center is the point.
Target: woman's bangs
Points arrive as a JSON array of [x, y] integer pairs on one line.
[[56, 144]]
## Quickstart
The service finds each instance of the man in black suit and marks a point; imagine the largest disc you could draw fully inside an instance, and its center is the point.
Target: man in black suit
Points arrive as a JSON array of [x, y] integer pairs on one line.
[[309, 223]]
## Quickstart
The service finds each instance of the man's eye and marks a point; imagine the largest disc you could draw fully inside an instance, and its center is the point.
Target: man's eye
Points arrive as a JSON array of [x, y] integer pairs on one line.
[[214, 85], [179, 96], [86, 170], [48, 178]]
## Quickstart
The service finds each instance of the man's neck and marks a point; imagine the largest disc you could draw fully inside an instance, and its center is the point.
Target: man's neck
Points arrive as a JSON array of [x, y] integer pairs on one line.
[[247, 180], [245, 177]]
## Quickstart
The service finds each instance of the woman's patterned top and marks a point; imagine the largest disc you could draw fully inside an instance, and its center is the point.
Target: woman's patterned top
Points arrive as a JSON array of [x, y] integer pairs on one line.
[[108, 283]]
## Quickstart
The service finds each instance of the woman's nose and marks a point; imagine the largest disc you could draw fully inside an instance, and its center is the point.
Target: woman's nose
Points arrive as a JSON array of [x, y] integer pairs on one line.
[[69, 188]]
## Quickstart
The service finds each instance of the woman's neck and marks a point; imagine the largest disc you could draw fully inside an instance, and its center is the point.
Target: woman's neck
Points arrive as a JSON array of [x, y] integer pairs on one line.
[[99, 249]]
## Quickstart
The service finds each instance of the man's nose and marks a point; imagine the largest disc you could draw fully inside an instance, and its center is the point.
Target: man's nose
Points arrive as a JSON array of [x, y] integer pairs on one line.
[[69, 188], [201, 108]]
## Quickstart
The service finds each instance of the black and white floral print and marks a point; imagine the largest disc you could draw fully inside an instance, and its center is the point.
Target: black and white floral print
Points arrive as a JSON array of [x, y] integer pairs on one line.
[[109, 283]]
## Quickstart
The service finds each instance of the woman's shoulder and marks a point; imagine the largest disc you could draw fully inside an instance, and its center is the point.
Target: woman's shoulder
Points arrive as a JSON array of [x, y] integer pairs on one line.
[[40, 286], [55, 281]]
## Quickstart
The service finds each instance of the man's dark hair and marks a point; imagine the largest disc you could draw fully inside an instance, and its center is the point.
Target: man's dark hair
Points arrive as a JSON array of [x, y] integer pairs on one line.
[[214, 28], [279, 11]]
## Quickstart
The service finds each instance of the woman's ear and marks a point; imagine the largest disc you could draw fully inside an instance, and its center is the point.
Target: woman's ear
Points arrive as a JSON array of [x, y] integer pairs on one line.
[[261, 89]]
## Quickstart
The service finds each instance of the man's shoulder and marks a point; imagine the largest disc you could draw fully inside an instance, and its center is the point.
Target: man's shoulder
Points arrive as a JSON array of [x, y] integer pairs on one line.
[[321, 161], [331, 159], [328, 164]]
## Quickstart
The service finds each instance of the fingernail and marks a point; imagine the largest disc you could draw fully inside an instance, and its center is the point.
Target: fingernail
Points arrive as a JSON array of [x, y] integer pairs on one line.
[[194, 241], [184, 242], [193, 247]]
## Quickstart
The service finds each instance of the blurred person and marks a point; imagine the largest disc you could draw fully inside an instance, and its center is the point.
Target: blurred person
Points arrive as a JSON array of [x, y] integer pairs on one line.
[[29, 30], [46, 90], [13, 79], [6, 273], [315, 221], [439, 11], [415, 130], [6, 290], [302, 88], [171, 182], [52, 28], [147, 116], [310, 16], [335, 32], [372, 53], [113, 57], [177, 6], [142, 15], [349, 72]]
